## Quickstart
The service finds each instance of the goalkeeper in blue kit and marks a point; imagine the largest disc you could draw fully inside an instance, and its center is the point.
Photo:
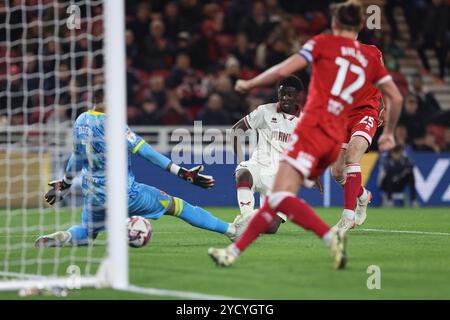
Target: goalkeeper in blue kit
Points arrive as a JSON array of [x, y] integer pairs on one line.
[[89, 156]]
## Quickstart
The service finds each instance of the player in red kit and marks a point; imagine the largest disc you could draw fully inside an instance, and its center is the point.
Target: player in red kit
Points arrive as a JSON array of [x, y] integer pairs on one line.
[[342, 68], [362, 124]]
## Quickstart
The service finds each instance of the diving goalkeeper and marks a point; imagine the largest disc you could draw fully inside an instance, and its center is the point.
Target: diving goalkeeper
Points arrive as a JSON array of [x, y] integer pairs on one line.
[[88, 156]]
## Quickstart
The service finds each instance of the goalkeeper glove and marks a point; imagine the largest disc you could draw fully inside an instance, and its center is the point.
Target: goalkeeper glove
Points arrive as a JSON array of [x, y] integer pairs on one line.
[[193, 176], [58, 191]]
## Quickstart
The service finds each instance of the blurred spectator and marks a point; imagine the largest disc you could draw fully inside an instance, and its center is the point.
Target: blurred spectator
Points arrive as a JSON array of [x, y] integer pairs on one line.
[[173, 22], [433, 35], [233, 102], [158, 91], [243, 52], [31, 72], [410, 11], [257, 26], [132, 48], [133, 83], [289, 32], [190, 10], [206, 49], [277, 52], [140, 22], [235, 12], [396, 173], [213, 113], [184, 43], [192, 93], [232, 69], [58, 119], [150, 113], [59, 79], [428, 105], [401, 138], [276, 13], [390, 47], [412, 120], [174, 113], [181, 68], [157, 47], [427, 143]]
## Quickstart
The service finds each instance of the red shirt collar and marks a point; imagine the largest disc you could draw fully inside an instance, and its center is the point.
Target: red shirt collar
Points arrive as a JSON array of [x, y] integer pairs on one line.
[[297, 113]]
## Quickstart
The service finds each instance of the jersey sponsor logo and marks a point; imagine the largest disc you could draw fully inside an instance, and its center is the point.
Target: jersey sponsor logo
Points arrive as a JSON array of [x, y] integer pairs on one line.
[[280, 136]]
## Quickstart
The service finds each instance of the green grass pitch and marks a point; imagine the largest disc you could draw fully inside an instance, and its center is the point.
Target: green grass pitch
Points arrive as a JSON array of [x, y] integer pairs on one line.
[[292, 264]]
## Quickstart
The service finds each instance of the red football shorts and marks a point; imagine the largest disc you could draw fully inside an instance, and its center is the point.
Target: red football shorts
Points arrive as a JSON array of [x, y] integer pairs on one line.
[[310, 150], [362, 122]]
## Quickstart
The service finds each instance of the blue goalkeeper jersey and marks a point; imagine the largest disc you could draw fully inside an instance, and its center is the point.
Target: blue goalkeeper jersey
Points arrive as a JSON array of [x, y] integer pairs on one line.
[[89, 155]]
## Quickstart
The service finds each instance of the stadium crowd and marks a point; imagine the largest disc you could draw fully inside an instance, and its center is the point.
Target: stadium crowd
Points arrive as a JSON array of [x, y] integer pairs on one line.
[[183, 58]]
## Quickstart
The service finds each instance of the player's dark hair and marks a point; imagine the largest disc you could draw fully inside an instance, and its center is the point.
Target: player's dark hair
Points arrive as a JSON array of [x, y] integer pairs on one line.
[[293, 82], [348, 15]]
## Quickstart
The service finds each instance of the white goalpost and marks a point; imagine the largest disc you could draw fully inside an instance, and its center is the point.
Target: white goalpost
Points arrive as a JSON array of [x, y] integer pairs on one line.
[[53, 56], [116, 154]]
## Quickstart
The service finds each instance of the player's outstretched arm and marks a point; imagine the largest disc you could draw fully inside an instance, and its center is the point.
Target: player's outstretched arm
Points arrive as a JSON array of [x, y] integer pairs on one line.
[[192, 175], [393, 102], [289, 66]]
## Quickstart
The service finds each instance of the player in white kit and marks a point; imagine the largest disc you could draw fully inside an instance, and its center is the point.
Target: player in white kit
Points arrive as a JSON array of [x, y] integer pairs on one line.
[[274, 123]]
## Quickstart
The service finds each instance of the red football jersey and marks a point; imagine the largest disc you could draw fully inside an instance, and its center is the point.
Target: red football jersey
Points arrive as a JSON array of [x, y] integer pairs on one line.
[[344, 75]]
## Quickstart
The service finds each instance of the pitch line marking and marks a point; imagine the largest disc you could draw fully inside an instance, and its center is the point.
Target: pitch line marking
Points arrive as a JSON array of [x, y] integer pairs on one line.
[[178, 294], [406, 232]]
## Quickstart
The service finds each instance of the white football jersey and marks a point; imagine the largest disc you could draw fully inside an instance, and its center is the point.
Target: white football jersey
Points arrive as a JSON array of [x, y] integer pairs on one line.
[[274, 128]]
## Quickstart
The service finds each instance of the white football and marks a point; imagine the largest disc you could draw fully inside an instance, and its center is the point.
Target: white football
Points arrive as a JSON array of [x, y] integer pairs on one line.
[[139, 231]]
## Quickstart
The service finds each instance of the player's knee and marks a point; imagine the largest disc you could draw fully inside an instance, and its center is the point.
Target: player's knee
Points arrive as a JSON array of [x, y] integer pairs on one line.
[[352, 156], [244, 176], [276, 198], [274, 226], [356, 149]]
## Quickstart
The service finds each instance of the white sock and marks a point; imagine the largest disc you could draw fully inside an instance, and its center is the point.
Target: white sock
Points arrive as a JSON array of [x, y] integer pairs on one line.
[[363, 196], [234, 250], [327, 237], [349, 214], [246, 200]]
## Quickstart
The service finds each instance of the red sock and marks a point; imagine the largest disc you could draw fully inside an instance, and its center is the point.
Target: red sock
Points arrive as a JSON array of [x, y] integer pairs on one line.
[[302, 214], [258, 225], [352, 187]]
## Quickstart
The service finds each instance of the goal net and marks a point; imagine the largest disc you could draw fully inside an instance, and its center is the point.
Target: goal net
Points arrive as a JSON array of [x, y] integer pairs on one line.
[[52, 60]]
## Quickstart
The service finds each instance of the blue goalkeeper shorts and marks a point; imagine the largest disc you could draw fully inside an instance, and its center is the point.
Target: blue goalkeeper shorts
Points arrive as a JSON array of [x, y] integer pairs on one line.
[[146, 201]]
